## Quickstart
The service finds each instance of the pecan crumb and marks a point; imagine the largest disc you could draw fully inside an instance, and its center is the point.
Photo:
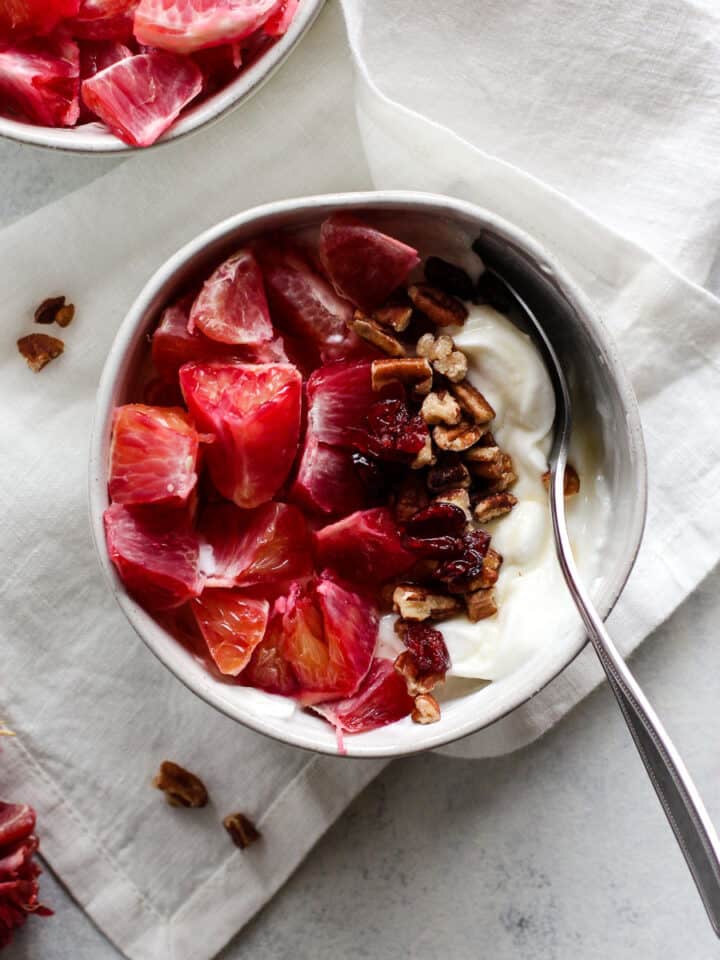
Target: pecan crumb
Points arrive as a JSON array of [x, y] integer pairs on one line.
[[39, 349], [410, 371], [449, 472], [372, 332], [425, 457], [441, 352], [411, 498], [417, 682], [571, 482], [181, 788], [481, 604], [443, 309], [459, 497], [472, 401], [415, 602], [441, 407], [494, 505], [242, 830], [458, 438], [397, 316], [48, 310], [426, 709]]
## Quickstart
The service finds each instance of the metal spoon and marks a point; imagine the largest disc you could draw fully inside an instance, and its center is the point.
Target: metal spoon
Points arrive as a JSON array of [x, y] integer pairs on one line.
[[680, 800]]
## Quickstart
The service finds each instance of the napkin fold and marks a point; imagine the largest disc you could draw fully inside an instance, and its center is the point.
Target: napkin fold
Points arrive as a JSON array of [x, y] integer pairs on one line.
[[94, 712]]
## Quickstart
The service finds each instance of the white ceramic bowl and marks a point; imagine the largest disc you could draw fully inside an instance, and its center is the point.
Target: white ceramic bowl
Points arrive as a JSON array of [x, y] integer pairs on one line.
[[96, 138], [602, 398]]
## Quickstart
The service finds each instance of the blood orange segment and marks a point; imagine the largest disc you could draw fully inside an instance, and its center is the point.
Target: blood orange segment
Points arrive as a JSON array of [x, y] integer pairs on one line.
[[40, 81], [34, 16], [327, 481], [140, 97], [232, 626], [330, 637], [17, 821], [184, 26], [270, 544], [339, 397], [231, 307], [365, 265], [305, 305], [381, 699], [96, 55], [119, 28], [268, 669], [364, 547], [253, 410], [155, 554], [153, 455], [277, 25]]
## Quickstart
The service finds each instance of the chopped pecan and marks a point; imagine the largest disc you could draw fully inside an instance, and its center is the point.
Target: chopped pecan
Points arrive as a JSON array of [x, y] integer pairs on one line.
[[39, 349], [54, 310], [448, 472], [181, 788], [441, 407], [458, 496], [415, 602], [441, 352], [472, 401], [494, 505], [417, 681], [443, 309], [489, 463], [397, 316], [491, 569], [459, 438], [411, 497], [242, 830], [449, 278], [426, 709], [481, 604], [413, 372], [372, 332], [571, 481], [425, 457]]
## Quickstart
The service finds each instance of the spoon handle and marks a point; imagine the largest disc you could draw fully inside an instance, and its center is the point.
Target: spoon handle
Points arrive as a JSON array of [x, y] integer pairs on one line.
[[676, 791]]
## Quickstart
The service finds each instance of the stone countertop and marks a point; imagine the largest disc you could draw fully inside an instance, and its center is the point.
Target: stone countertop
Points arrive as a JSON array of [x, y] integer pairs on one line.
[[557, 852]]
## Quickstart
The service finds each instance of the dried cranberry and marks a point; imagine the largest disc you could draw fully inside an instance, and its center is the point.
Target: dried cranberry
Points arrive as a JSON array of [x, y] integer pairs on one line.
[[437, 520], [391, 432], [458, 572], [426, 645], [433, 546]]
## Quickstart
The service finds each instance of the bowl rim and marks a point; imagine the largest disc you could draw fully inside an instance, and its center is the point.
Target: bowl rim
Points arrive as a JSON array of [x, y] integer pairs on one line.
[[378, 200], [91, 138]]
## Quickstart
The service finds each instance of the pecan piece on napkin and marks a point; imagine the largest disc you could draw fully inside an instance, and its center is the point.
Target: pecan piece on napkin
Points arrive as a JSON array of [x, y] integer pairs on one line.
[[242, 830], [38, 349], [181, 788]]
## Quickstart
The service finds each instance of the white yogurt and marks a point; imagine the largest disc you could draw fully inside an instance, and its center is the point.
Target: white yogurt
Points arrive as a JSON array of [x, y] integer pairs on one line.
[[534, 605]]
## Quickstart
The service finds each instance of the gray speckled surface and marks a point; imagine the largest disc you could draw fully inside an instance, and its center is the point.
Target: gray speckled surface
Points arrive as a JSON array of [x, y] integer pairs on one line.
[[557, 852]]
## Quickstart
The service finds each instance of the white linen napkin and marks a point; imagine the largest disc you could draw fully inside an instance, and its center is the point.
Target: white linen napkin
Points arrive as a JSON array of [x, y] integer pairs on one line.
[[95, 713]]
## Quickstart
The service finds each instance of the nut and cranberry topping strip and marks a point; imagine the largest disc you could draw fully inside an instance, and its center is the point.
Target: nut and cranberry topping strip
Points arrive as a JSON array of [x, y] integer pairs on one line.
[[459, 438], [413, 372], [443, 309], [38, 349], [372, 332], [449, 278], [181, 788], [481, 604], [445, 359], [415, 602], [571, 481], [242, 830], [441, 407], [495, 505], [472, 401]]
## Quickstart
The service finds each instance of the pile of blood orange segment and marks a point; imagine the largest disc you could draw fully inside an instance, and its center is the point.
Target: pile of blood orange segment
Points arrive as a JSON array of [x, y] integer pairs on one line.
[[134, 65], [252, 488]]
